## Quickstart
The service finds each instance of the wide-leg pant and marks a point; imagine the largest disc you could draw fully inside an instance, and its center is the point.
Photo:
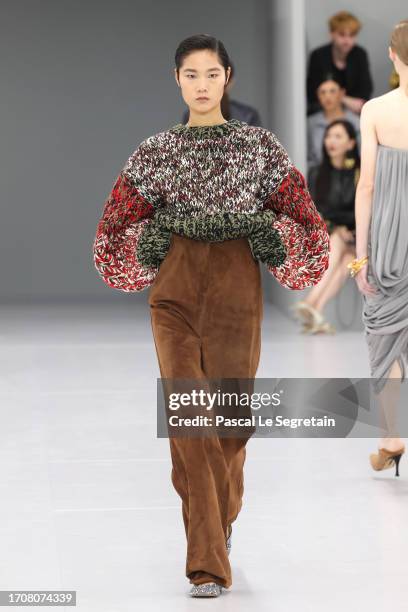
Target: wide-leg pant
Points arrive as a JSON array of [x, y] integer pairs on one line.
[[206, 310]]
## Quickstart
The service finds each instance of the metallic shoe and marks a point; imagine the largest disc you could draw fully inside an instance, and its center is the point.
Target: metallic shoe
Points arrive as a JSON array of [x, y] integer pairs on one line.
[[206, 589], [212, 589], [228, 540], [313, 322], [302, 311], [385, 459], [322, 328]]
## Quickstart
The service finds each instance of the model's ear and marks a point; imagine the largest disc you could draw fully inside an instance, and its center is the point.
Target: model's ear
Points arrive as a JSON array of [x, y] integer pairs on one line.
[[176, 77], [391, 54]]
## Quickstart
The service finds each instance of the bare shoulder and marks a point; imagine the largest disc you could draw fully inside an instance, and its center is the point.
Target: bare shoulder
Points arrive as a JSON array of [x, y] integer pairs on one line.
[[379, 104]]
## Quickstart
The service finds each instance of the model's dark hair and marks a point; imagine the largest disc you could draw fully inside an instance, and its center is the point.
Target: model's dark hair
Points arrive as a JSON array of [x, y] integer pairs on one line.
[[198, 42], [330, 76], [352, 160]]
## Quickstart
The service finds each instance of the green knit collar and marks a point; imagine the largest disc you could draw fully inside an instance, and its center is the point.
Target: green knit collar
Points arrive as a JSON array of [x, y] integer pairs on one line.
[[208, 131]]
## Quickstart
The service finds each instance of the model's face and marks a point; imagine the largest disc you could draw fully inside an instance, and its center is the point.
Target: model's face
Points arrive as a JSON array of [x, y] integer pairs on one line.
[[330, 95], [202, 79], [344, 40], [337, 141]]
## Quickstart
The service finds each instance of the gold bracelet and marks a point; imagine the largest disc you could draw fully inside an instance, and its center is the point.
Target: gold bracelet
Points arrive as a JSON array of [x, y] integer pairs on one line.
[[356, 265]]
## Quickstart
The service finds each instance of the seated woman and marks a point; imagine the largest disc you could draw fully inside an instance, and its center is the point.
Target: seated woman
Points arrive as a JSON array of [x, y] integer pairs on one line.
[[330, 94], [332, 185]]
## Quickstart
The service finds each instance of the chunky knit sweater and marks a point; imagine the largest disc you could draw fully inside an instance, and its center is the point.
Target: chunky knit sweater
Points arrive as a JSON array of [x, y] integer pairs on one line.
[[210, 183]]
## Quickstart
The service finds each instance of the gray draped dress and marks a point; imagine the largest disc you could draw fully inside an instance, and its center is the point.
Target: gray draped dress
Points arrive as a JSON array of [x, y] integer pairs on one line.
[[385, 315]]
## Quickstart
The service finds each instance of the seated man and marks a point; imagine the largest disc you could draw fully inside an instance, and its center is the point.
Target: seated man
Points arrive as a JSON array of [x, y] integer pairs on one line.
[[343, 58], [330, 94]]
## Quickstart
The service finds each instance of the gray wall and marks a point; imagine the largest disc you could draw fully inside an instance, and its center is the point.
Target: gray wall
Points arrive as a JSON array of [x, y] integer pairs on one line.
[[86, 82], [287, 101]]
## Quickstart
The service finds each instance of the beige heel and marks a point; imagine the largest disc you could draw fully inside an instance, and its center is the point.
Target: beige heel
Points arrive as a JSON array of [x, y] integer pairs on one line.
[[301, 311], [324, 327], [385, 459], [313, 321]]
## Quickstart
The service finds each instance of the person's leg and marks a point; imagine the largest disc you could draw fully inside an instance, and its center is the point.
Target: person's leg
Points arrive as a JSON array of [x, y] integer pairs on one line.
[[337, 250], [337, 280], [388, 360], [174, 308], [232, 345], [207, 472], [388, 399]]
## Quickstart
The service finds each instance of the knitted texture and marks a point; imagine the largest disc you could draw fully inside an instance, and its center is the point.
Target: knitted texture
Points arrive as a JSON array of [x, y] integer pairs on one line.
[[210, 183], [264, 240], [125, 216], [303, 232]]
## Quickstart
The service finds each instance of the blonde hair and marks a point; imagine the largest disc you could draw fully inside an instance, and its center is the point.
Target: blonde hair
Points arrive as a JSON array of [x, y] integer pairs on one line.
[[399, 40], [344, 21]]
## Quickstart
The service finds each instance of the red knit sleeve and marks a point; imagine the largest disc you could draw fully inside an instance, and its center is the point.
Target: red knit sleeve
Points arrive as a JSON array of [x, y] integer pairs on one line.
[[303, 233], [127, 211]]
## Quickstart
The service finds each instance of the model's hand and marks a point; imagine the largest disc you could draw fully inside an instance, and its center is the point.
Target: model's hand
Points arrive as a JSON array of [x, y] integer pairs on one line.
[[362, 282]]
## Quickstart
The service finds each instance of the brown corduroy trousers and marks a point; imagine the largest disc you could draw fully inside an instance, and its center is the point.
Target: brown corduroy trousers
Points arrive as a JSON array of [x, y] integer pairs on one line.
[[206, 310]]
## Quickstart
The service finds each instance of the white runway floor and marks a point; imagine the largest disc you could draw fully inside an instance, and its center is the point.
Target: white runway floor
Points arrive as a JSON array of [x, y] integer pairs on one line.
[[86, 501]]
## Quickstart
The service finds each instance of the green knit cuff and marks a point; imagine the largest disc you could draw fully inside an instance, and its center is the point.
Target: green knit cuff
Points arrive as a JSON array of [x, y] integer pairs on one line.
[[264, 240], [215, 227], [153, 245], [267, 247]]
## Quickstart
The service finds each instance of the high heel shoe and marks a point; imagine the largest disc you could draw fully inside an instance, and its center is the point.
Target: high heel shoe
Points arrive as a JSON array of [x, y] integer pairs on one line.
[[385, 459]]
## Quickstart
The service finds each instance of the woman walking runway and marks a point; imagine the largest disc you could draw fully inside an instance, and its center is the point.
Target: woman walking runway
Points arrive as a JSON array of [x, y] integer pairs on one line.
[[385, 314], [381, 267], [192, 214]]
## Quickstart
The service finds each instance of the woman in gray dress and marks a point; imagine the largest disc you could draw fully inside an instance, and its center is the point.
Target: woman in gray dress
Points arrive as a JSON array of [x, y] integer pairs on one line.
[[381, 264]]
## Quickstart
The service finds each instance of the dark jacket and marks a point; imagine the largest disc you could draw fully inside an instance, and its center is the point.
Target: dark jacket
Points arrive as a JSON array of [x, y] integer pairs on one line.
[[357, 77], [337, 207]]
